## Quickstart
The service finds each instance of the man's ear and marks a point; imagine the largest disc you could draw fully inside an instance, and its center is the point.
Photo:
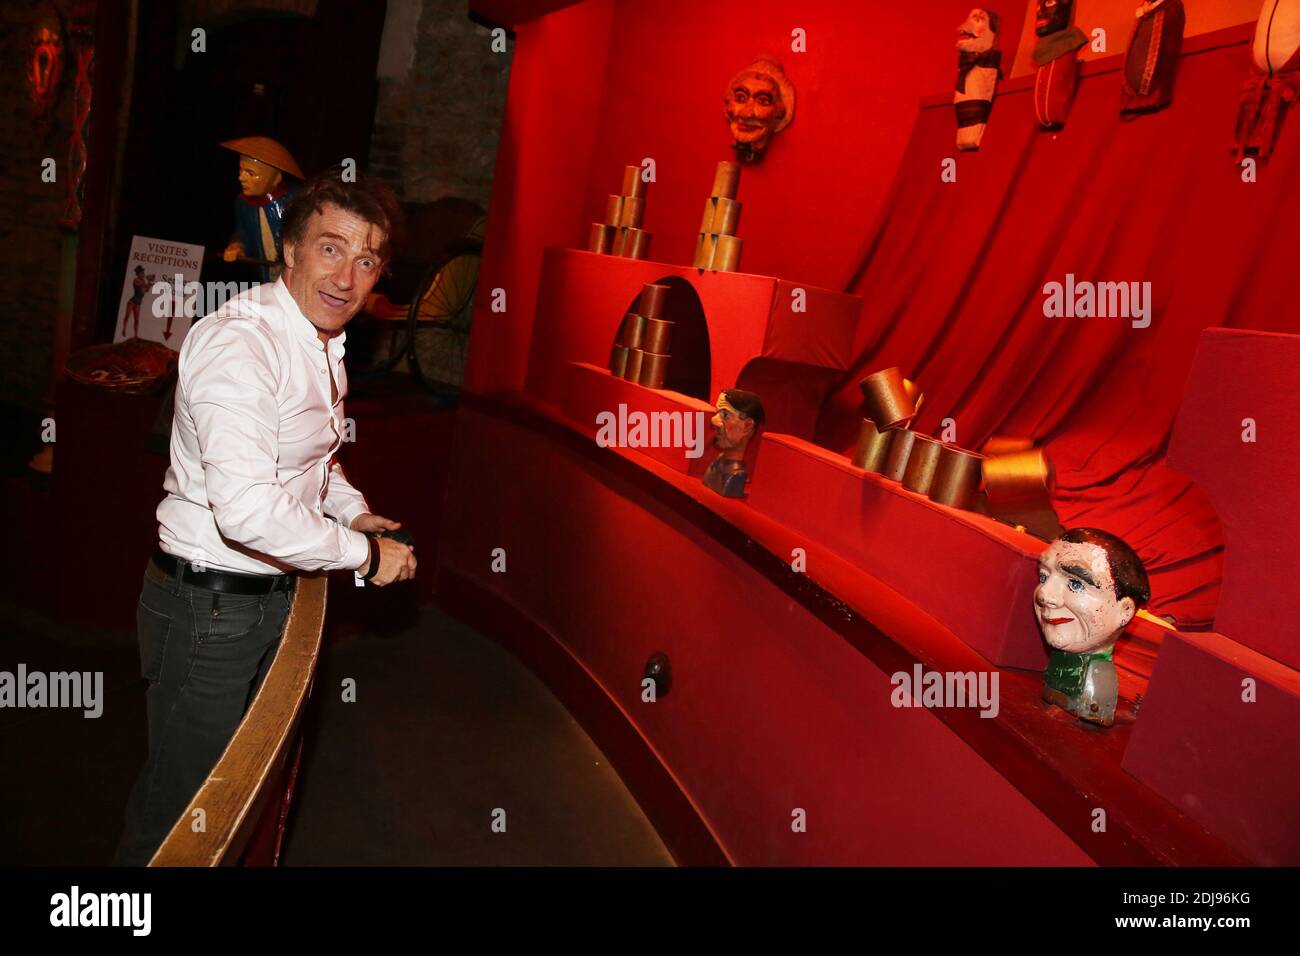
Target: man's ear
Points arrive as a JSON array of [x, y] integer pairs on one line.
[[1128, 607], [288, 254]]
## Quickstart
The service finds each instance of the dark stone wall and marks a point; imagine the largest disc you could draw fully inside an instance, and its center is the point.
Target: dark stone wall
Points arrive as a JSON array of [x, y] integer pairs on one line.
[[30, 237], [442, 95]]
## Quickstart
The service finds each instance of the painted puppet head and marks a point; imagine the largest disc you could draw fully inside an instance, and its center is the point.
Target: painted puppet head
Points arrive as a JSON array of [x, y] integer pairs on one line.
[[1052, 16], [738, 415], [1090, 584], [979, 31], [257, 178], [759, 104]]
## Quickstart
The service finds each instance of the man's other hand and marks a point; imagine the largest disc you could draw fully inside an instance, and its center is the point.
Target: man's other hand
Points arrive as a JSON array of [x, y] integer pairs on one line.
[[371, 522], [396, 563], [233, 251]]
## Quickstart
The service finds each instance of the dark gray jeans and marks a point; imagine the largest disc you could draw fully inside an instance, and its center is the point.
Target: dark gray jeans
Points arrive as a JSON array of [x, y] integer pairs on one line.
[[204, 655]]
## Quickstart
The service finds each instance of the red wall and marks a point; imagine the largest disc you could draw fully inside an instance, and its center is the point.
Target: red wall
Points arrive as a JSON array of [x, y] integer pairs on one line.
[[605, 84]]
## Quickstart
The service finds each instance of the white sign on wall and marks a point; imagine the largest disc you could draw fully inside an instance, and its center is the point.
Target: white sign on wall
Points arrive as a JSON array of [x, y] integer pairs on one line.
[[147, 309]]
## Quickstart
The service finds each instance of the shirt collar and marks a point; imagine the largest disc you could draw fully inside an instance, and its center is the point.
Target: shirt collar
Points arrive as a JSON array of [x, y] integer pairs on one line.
[[298, 323]]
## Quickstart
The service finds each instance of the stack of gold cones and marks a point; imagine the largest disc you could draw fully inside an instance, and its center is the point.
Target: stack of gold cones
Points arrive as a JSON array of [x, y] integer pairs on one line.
[[718, 247], [641, 351], [621, 233]]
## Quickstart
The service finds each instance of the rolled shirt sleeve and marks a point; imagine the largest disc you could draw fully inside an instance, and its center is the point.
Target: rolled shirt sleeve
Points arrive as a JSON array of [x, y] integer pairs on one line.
[[231, 394], [342, 500]]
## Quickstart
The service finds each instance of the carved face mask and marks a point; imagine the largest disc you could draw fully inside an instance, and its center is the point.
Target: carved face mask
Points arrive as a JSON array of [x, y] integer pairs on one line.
[[976, 34], [1052, 16], [1075, 601], [759, 104]]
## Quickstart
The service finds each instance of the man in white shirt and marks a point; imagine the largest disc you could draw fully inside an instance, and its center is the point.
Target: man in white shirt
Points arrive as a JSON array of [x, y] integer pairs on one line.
[[254, 493]]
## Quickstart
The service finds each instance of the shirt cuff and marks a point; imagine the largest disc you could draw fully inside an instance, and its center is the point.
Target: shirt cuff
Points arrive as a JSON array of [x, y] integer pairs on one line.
[[358, 551]]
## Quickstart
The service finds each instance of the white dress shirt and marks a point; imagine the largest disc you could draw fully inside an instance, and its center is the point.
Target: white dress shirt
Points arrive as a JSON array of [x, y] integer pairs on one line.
[[253, 473]]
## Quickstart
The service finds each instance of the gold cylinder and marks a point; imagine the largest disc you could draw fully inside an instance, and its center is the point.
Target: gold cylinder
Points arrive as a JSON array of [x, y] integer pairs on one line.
[[633, 184], [726, 180], [957, 480], [727, 256], [636, 245], [922, 464], [658, 336], [632, 212], [704, 250], [601, 238], [900, 449], [651, 301], [617, 242], [654, 369], [726, 218], [872, 447], [1006, 444], [632, 331], [710, 209], [614, 211], [886, 400], [618, 360], [632, 371], [1019, 480]]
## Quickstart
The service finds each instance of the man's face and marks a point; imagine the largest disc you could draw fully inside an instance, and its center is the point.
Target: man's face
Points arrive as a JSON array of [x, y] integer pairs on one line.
[[731, 430], [753, 108], [256, 178], [1052, 16], [976, 34], [1075, 600], [332, 270]]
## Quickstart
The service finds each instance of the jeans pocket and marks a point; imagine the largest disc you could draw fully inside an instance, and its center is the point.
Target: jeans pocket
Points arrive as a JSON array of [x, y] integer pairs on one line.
[[225, 618], [153, 628]]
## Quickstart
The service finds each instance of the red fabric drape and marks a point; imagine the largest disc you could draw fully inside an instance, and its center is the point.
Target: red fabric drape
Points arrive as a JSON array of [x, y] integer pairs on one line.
[[953, 294]]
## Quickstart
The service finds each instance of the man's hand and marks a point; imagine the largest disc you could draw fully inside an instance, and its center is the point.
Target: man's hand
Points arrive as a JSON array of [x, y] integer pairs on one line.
[[396, 562], [372, 522], [233, 251]]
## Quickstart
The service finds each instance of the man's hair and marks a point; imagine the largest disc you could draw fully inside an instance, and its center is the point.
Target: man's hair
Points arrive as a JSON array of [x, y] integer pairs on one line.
[[368, 198], [1126, 568], [747, 403]]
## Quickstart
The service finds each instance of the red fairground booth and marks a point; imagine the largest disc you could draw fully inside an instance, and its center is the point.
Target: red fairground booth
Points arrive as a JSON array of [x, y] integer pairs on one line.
[[775, 626]]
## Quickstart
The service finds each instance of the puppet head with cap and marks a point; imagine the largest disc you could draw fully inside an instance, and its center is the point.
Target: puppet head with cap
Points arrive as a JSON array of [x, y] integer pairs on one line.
[[738, 416]]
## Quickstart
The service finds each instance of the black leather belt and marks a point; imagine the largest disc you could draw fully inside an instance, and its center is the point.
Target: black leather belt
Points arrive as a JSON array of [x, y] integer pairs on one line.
[[226, 582]]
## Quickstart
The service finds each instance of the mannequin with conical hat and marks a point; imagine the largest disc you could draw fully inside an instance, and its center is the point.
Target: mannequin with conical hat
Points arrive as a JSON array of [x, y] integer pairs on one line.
[[259, 210]]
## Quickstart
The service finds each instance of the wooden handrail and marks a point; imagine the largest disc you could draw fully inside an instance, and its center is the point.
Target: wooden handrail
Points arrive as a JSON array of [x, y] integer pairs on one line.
[[242, 784]]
